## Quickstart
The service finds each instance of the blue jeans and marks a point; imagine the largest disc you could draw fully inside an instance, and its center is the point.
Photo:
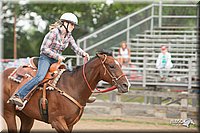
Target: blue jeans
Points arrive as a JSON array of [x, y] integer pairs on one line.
[[43, 66], [164, 72]]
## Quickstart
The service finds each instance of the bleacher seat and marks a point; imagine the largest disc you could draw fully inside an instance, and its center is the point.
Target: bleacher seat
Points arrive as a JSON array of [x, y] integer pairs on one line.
[[181, 42]]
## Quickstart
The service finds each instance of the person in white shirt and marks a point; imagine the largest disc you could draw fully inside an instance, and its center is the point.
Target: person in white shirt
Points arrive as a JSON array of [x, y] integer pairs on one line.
[[164, 63], [124, 54]]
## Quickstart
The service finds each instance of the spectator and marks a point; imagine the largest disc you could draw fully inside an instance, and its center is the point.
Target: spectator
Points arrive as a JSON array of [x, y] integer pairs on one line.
[[124, 54], [163, 62]]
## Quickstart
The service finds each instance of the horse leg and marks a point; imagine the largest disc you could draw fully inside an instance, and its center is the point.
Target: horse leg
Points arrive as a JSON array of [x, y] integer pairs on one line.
[[26, 122], [10, 121], [70, 128], [60, 125]]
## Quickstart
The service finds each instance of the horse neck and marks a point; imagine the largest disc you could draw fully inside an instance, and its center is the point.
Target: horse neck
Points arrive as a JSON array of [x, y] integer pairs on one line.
[[77, 86], [92, 72]]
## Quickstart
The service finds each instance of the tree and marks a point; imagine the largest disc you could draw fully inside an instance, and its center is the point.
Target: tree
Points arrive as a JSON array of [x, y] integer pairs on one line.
[[91, 16]]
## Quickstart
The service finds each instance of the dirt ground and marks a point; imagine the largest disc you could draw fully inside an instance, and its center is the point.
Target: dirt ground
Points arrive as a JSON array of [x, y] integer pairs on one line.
[[111, 123]]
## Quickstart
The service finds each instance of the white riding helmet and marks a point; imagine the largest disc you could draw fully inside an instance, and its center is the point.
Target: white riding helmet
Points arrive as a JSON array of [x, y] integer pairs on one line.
[[70, 17]]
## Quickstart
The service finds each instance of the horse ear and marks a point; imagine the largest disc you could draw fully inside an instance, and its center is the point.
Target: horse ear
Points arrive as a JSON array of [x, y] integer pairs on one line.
[[100, 55], [105, 51]]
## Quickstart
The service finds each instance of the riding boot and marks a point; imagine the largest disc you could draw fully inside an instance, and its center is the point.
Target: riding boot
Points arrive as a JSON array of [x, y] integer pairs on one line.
[[91, 99], [16, 100]]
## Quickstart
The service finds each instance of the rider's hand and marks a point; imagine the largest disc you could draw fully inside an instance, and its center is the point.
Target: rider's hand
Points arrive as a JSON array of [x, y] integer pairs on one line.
[[86, 55], [60, 59]]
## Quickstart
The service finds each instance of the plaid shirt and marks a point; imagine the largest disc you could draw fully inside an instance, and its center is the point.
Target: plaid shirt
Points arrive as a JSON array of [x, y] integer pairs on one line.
[[52, 45]]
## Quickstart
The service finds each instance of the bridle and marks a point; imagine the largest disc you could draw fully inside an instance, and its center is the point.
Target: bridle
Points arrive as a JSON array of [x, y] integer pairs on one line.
[[114, 78]]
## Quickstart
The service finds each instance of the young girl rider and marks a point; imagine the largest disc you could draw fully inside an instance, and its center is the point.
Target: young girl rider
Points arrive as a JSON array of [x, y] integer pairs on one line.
[[54, 43]]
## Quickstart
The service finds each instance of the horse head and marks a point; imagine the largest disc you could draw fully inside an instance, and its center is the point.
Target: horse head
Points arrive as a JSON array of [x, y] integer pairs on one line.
[[111, 71]]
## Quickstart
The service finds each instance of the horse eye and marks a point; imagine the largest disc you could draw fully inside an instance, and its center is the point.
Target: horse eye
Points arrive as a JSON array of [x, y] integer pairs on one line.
[[112, 66]]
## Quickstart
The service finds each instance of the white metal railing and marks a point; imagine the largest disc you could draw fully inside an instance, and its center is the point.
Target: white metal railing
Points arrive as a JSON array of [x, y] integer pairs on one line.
[[145, 19], [88, 43], [145, 67], [146, 70]]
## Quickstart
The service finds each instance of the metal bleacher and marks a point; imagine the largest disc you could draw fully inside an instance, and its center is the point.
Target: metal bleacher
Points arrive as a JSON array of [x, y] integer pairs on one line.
[[144, 51], [145, 31]]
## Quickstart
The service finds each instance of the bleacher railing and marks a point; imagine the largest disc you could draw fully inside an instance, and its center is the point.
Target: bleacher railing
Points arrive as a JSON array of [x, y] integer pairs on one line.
[[148, 18], [182, 74], [179, 76]]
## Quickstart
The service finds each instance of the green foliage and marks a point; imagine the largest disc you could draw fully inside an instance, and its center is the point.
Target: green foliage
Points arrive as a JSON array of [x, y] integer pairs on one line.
[[91, 17]]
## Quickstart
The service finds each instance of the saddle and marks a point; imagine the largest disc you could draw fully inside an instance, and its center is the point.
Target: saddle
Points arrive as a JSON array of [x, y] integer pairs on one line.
[[25, 73], [30, 70]]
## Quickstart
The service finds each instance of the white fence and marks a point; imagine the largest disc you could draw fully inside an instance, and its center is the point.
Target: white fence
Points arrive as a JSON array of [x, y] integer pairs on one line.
[[146, 103]]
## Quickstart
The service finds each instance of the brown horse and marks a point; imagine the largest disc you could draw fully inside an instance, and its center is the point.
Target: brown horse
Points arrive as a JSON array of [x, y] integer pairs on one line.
[[66, 103]]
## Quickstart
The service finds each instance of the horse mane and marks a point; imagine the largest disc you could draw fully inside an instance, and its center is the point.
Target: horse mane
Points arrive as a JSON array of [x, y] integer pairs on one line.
[[103, 51]]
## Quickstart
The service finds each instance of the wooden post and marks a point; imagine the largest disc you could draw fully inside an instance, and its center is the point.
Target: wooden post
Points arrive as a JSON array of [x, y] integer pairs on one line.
[[194, 102], [184, 103], [15, 38], [158, 99], [118, 97], [113, 96], [146, 98], [151, 100], [116, 109]]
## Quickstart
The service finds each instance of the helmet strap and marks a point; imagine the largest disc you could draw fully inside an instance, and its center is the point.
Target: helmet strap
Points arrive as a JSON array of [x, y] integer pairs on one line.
[[66, 28]]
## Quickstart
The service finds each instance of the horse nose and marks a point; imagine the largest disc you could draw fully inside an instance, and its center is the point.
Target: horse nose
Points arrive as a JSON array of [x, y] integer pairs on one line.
[[126, 86]]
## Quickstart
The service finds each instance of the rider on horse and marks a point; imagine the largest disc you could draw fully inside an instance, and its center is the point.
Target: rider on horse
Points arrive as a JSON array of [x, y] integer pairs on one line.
[[55, 42]]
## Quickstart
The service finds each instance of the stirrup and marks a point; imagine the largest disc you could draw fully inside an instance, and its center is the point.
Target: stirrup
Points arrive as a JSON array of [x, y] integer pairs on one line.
[[20, 108], [15, 100]]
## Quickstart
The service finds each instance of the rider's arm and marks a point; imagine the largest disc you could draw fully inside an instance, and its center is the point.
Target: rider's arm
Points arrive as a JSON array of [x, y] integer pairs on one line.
[[75, 48], [49, 45]]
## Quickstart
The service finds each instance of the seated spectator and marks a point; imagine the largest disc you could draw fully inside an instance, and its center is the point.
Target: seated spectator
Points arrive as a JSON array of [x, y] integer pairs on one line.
[[124, 54], [163, 62]]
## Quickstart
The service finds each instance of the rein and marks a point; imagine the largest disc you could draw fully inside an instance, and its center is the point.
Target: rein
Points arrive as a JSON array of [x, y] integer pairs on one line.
[[114, 79]]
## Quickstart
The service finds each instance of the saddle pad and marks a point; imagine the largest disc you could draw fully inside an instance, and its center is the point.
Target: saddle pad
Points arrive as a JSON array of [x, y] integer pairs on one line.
[[21, 73]]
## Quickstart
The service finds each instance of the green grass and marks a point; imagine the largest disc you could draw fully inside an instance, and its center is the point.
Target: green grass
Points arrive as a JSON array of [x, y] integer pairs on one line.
[[139, 99], [132, 121], [124, 121], [103, 97]]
